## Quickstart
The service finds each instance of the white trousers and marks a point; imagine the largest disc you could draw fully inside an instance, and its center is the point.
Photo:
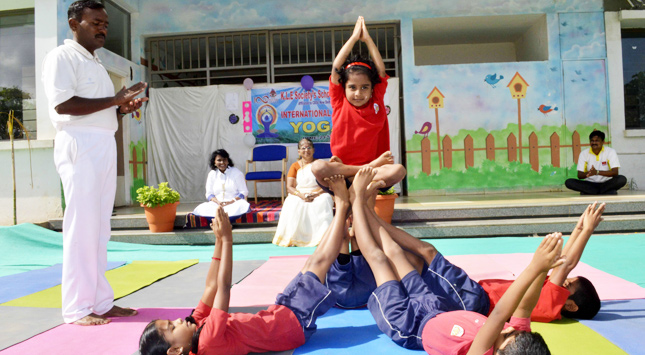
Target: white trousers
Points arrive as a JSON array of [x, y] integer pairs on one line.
[[85, 159]]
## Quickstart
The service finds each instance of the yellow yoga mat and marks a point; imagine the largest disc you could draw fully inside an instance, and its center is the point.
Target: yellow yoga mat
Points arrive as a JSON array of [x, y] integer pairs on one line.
[[124, 281], [568, 336]]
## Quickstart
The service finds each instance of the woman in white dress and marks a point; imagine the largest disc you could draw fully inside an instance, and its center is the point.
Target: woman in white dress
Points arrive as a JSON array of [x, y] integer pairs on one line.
[[308, 210], [225, 186]]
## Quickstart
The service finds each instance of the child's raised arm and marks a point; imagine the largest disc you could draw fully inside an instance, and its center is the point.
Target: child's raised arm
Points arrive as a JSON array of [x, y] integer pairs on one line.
[[546, 257], [374, 53], [218, 281], [588, 222], [342, 55]]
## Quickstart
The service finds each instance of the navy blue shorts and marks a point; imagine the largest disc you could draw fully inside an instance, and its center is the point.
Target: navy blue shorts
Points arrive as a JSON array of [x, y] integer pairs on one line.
[[401, 308], [308, 299], [452, 283], [352, 283]]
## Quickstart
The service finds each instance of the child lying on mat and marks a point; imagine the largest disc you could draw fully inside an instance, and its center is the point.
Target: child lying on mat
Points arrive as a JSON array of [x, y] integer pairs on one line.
[[283, 326], [414, 317], [351, 279]]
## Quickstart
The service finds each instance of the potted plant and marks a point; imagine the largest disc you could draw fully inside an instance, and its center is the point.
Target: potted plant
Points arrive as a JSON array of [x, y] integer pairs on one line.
[[160, 205], [384, 206]]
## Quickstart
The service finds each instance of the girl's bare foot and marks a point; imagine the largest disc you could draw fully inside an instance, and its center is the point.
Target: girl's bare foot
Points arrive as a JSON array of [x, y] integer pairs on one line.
[[385, 158], [92, 319]]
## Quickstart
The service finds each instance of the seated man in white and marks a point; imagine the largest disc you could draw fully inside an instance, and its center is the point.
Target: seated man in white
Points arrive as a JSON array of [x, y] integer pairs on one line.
[[597, 169]]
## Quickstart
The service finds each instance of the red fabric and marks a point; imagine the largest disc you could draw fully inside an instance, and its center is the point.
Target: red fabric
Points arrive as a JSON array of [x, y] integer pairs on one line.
[[550, 303], [276, 329], [453, 332], [359, 134]]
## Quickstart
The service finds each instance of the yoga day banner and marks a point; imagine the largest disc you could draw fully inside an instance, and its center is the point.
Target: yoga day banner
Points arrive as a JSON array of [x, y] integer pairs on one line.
[[286, 115]]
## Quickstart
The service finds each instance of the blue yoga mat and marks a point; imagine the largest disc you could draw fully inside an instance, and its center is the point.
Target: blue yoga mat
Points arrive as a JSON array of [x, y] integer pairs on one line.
[[350, 332], [621, 322], [25, 283]]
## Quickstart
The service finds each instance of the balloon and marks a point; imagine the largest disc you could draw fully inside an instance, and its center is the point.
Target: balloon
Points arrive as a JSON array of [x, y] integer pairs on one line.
[[248, 83], [249, 140], [307, 82]]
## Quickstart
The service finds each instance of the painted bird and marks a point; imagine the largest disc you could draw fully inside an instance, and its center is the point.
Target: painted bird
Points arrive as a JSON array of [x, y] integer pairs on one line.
[[546, 109], [492, 79], [425, 129]]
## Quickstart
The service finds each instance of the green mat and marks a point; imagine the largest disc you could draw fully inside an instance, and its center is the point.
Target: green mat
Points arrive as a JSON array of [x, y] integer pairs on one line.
[[568, 336], [124, 281]]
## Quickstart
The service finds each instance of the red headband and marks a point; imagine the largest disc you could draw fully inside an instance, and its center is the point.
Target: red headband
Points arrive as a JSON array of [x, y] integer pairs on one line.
[[358, 63]]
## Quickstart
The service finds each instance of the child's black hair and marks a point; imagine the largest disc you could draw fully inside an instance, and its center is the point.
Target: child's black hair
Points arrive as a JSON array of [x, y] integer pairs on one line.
[[526, 343], [152, 341], [371, 72], [587, 300]]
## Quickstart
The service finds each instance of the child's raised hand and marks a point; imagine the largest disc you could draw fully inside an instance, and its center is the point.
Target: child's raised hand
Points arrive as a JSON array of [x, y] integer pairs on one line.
[[358, 28], [593, 216], [221, 225], [365, 35], [547, 255]]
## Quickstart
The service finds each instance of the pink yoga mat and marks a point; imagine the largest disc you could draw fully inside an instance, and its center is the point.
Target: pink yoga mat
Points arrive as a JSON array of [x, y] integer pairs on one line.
[[265, 282], [119, 337], [508, 266]]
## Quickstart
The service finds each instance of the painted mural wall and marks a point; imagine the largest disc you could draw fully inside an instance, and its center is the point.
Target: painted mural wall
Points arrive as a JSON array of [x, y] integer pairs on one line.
[[483, 107]]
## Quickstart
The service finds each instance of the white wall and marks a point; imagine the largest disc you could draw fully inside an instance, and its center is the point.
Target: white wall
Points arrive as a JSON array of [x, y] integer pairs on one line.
[[35, 203], [630, 144]]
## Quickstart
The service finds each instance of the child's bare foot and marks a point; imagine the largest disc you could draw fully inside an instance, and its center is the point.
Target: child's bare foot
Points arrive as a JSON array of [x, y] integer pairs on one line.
[[117, 311], [385, 158], [338, 186], [373, 187], [361, 180], [92, 319], [335, 159]]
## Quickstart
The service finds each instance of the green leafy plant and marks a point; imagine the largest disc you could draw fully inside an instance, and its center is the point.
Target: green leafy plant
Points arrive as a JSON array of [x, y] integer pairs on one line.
[[389, 191], [149, 196]]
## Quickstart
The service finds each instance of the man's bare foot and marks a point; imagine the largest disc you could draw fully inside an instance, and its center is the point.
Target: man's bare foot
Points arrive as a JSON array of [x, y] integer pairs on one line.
[[117, 311], [385, 158], [92, 319]]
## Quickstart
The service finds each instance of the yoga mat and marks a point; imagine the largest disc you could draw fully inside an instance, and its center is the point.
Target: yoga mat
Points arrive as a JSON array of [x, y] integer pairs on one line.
[[342, 331], [25, 283], [123, 280], [622, 323], [26, 322], [262, 285], [185, 288], [567, 336], [509, 266]]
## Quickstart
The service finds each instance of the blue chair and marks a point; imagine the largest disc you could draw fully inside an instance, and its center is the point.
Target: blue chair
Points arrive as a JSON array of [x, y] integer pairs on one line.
[[266, 153], [322, 151]]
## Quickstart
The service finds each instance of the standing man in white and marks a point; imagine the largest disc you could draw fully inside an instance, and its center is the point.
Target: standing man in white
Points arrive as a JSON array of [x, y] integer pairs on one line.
[[85, 111]]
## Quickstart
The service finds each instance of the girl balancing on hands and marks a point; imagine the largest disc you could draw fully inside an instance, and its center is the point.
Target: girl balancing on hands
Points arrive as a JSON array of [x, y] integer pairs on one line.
[[360, 132], [286, 325]]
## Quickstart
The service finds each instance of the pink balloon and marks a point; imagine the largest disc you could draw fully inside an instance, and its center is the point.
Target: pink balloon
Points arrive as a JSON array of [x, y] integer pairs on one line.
[[248, 83]]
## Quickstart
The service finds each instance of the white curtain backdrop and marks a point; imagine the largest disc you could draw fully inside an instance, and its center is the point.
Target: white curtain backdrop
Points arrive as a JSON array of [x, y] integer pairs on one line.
[[185, 125]]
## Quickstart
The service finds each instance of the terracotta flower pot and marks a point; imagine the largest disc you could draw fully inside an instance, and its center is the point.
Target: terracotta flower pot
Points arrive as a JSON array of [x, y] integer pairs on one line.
[[161, 218], [384, 206]]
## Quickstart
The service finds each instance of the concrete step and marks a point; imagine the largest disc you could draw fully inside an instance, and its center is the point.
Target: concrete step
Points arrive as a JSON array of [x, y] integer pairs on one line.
[[261, 233]]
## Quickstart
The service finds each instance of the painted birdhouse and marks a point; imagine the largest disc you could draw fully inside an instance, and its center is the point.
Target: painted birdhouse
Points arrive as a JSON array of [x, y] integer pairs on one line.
[[518, 86], [435, 98]]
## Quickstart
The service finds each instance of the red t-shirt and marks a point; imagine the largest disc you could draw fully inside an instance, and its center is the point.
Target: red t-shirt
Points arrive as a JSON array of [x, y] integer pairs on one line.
[[359, 134], [550, 303], [452, 333], [276, 329]]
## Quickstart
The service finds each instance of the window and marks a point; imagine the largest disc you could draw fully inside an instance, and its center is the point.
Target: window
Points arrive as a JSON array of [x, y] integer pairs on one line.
[[264, 56], [480, 39], [17, 72], [118, 39], [633, 43]]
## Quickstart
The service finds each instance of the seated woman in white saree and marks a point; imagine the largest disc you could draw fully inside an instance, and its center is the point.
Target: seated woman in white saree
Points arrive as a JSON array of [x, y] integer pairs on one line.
[[308, 210], [225, 186]]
